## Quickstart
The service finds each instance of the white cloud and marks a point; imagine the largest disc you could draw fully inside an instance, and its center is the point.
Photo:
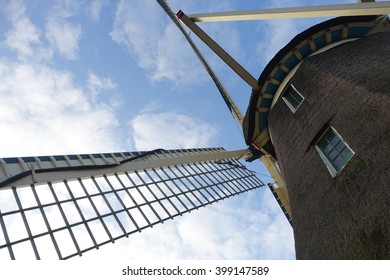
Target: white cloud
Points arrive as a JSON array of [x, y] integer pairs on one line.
[[170, 131], [95, 9], [63, 34], [174, 60], [137, 28], [24, 37], [64, 37], [66, 8], [43, 110], [159, 47], [24, 34], [98, 84]]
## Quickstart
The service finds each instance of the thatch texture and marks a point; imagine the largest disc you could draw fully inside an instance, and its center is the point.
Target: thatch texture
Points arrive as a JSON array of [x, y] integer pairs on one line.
[[347, 87]]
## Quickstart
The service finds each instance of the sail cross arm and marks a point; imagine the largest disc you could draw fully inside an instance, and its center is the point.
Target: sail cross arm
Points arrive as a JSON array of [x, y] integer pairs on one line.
[[352, 9]]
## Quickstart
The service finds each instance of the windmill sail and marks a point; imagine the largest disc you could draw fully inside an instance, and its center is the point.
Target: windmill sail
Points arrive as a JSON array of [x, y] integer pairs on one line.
[[63, 206]]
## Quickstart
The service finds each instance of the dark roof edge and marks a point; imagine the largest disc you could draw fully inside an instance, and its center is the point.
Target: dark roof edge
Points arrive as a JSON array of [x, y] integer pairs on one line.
[[303, 36]]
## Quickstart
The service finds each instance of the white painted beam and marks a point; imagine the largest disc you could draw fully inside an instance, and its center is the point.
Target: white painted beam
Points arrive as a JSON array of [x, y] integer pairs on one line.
[[218, 50], [74, 171], [281, 189], [353, 9]]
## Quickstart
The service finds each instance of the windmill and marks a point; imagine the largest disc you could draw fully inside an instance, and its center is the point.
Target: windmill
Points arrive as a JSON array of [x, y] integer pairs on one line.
[[140, 189], [302, 115]]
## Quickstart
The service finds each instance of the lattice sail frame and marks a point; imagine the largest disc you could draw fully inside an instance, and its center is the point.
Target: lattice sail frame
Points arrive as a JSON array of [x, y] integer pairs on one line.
[[63, 206]]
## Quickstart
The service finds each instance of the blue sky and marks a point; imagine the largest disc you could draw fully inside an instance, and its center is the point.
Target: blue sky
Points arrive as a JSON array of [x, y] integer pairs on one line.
[[94, 76]]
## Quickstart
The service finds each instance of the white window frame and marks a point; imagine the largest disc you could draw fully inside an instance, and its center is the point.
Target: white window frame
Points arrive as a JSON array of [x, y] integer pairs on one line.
[[288, 103], [328, 164]]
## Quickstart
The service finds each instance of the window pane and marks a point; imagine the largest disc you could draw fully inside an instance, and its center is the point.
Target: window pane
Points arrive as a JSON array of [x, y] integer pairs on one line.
[[332, 155], [338, 162], [292, 97], [295, 95], [335, 139], [335, 150], [327, 149], [293, 101], [346, 153], [340, 146], [323, 144], [329, 135]]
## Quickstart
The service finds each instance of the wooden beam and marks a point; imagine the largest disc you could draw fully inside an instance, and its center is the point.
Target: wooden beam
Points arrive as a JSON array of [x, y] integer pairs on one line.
[[230, 61], [354, 9]]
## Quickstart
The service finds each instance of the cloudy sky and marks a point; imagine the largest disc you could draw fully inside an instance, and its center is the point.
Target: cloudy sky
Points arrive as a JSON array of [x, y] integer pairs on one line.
[[98, 76]]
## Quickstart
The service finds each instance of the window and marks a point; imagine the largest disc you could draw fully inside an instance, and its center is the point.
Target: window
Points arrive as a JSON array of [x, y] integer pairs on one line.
[[292, 98], [333, 151]]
